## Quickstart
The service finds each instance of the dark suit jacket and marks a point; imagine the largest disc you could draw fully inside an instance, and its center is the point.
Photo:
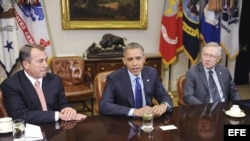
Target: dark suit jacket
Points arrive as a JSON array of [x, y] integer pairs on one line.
[[196, 85], [21, 100], [118, 98]]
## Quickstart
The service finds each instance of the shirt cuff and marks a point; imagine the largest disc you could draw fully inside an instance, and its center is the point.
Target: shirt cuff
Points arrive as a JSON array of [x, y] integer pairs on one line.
[[168, 106], [131, 112], [56, 116]]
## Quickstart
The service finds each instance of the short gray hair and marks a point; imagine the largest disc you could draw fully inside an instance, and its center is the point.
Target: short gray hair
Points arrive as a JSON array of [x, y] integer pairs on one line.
[[213, 44], [132, 45]]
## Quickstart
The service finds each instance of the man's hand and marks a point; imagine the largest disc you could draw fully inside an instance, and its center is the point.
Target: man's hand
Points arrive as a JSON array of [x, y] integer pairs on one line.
[[139, 112], [79, 117], [69, 114], [159, 109]]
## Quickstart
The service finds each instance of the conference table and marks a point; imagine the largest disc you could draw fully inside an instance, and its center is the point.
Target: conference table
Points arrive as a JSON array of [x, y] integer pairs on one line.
[[193, 123]]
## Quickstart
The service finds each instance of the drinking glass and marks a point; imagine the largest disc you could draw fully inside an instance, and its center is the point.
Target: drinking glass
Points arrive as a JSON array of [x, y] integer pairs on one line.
[[18, 132], [148, 117]]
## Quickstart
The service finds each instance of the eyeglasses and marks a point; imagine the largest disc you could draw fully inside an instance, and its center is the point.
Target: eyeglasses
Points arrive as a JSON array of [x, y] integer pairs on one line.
[[209, 56]]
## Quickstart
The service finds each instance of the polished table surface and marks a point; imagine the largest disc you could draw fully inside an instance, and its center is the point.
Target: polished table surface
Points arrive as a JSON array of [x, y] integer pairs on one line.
[[194, 123]]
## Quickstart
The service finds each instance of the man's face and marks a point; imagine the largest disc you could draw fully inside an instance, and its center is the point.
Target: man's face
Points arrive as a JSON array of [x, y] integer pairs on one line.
[[210, 57], [134, 60], [37, 67]]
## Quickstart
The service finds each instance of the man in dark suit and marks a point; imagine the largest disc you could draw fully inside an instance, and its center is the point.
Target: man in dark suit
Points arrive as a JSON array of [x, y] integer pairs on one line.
[[196, 87], [119, 94], [21, 98]]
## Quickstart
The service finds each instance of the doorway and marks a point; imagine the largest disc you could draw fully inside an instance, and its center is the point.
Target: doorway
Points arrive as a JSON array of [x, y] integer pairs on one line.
[[242, 66]]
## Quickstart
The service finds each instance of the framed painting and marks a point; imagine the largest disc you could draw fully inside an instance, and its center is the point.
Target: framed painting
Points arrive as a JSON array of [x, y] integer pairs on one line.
[[104, 14]]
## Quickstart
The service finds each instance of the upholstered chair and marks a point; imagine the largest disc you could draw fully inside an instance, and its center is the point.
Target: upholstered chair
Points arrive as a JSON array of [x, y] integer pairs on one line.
[[77, 82]]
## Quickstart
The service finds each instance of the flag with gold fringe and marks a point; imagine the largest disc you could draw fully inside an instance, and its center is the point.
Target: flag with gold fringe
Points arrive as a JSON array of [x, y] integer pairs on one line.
[[230, 21], [9, 38], [191, 37], [171, 30], [210, 21]]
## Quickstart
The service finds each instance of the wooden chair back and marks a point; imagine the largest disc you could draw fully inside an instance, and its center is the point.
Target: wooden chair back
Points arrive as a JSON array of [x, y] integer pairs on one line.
[[180, 86], [99, 83], [3, 112]]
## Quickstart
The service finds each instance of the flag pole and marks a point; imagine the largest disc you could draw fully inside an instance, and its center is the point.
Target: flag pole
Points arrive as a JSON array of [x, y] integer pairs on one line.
[[189, 64], [226, 61], [169, 82]]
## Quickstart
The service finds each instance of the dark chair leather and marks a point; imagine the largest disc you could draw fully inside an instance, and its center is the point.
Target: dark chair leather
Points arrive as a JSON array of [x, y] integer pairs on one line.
[[180, 86], [77, 82], [3, 112], [100, 82]]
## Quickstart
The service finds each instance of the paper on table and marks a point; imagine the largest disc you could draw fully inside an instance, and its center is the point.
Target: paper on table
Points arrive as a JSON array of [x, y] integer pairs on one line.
[[168, 127], [33, 132]]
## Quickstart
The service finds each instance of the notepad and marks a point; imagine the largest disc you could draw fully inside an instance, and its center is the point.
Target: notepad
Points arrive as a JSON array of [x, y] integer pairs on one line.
[[33, 132], [168, 127]]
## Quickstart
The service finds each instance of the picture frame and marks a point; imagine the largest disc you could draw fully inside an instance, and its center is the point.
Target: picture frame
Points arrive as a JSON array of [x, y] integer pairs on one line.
[[90, 14]]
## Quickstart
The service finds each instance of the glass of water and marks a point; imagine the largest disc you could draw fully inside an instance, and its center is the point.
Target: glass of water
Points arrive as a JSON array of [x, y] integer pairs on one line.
[[18, 132], [148, 117]]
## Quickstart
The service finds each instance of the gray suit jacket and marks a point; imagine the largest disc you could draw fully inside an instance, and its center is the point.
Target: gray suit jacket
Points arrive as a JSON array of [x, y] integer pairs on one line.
[[196, 86], [118, 98], [21, 100]]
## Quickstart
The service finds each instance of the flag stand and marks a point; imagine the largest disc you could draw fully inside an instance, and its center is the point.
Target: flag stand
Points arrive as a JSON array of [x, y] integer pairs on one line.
[[169, 82]]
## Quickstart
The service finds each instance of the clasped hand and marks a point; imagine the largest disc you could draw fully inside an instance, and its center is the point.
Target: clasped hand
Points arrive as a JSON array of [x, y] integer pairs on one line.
[[158, 110], [69, 114]]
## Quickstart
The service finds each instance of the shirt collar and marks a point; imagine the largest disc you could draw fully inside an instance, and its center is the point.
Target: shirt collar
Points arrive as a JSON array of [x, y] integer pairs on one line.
[[32, 80], [206, 70], [132, 77]]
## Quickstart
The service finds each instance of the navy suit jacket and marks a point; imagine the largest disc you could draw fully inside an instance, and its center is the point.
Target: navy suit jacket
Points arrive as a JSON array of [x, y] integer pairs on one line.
[[196, 85], [21, 100], [118, 98]]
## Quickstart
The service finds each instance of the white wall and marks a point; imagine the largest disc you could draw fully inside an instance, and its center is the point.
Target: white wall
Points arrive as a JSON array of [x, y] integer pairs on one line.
[[77, 41]]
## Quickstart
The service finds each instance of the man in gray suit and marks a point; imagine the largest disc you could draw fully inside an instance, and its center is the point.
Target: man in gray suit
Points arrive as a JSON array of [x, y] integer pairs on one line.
[[119, 95], [196, 87]]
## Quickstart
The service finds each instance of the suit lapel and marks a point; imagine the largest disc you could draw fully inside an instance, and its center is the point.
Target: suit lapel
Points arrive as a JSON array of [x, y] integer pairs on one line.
[[220, 78], [147, 86], [45, 84], [29, 89], [126, 85], [203, 75]]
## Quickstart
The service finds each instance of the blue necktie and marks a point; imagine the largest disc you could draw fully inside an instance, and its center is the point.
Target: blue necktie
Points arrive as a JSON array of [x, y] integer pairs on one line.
[[138, 93], [213, 88]]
